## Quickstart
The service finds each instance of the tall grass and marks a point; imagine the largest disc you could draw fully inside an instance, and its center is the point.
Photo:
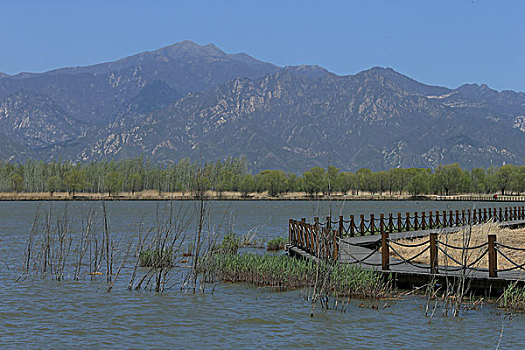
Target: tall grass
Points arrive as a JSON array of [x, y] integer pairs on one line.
[[283, 272], [276, 244], [513, 297]]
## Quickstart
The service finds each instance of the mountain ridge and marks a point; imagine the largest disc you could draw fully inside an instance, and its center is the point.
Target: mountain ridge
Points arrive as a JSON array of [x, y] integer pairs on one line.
[[188, 100]]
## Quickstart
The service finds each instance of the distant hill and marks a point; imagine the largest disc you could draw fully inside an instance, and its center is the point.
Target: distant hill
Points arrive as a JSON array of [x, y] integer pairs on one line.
[[195, 101]]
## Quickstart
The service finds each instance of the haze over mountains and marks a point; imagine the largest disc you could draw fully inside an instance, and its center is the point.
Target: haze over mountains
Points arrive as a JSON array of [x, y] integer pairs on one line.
[[188, 100]]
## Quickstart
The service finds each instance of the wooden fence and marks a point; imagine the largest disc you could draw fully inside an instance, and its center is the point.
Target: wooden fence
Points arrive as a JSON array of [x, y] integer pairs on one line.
[[490, 249], [321, 242], [321, 239], [361, 226]]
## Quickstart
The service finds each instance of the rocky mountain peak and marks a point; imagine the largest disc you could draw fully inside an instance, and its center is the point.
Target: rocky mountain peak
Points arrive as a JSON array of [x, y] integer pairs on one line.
[[196, 101]]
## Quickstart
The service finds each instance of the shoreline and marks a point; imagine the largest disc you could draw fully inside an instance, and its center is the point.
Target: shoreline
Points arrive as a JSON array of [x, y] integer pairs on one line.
[[237, 196]]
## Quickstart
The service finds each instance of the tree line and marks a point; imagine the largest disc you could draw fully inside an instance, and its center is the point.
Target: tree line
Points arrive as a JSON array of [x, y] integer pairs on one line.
[[139, 174]]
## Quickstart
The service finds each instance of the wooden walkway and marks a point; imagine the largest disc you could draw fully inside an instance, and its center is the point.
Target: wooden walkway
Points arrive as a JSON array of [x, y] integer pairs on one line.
[[364, 251]]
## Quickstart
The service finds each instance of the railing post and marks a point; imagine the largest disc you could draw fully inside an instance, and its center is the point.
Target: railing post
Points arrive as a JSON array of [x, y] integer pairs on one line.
[[475, 218], [298, 233], [444, 218], [290, 236], [451, 219], [416, 223], [423, 221], [463, 217], [490, 213], [500, 218], [335, 245], [352, 226], [329, 222], [407, 221], [307, 228], [480, 217], [312, 238], [457, 217], [303, 224], [372, 224], [325, 233], [385, 264], [382, 222], [433, 253], [493, 259], [362, 225], [317, 234], [341, 227], [399, 223], [506, 214]]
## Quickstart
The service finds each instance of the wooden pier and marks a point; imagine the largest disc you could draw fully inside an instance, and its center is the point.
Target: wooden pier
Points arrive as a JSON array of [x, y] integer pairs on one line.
[[369, 244]]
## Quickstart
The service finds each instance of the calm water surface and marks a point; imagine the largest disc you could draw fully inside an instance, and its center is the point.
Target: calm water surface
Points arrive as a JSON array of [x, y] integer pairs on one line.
[[36, 313]]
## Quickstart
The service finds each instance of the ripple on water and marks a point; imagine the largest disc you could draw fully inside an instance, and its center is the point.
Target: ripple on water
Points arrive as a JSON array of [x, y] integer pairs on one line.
[[36, 313]]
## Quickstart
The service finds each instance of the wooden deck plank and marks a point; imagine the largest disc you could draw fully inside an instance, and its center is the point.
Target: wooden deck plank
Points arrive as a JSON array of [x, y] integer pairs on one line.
[[352, 250]]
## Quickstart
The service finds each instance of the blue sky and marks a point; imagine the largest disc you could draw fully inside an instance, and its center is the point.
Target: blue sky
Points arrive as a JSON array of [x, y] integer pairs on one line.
[[437, 42]]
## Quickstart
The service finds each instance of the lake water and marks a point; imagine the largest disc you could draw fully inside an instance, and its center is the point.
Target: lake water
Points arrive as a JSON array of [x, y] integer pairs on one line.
[[43, 313]]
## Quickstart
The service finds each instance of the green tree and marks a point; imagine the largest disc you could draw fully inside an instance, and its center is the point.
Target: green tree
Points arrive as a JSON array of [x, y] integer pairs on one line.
[[313, 180], [135, 182], [504, 177], [75, 181], [17, 182], [330, 179], [113, 182], [420, 182], [345, 182], [226, 181], [200, 183], [247, 185], [364, 179], [477, 180], [448, 178], [274, 181], [53, 184]]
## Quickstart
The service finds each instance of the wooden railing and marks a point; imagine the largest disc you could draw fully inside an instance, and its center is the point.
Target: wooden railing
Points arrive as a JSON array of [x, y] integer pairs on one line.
[[482, 198], [321, 242], [321, 239], [490, 250], [361, 226]]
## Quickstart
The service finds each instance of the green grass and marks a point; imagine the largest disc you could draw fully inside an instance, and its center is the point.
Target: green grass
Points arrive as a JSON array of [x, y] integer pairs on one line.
[[156, 258], [283, 272], [513, 297], [276, 244], [230, 244]]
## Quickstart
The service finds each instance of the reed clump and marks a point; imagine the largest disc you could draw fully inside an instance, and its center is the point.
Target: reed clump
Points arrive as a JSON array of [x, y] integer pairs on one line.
[[276, 244], [513, 297], [156, 258], [284, 273], [229, 245]]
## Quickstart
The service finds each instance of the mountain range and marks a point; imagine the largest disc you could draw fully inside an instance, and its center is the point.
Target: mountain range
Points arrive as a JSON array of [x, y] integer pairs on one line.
[[187, 100]]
